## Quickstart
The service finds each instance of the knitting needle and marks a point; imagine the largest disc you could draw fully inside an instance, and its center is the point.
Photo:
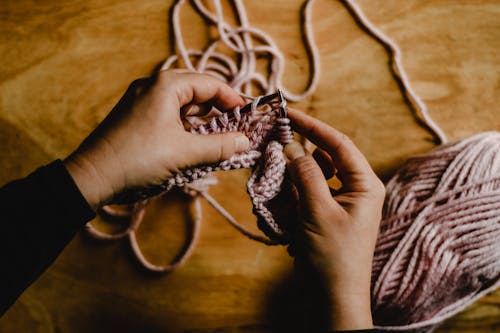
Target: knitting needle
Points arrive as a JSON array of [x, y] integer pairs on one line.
[[263, 100], [268, 98], [282, 104]]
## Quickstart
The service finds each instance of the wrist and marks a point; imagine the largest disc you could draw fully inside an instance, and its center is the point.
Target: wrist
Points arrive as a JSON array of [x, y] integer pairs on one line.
[[349, 311], [91, 182]]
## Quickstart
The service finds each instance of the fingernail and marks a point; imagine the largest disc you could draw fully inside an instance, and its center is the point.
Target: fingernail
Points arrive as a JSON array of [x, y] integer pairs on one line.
[[294, 150], [241, 143]]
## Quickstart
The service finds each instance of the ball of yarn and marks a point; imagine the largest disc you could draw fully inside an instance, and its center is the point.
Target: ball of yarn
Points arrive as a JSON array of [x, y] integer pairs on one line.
[[438, 248]]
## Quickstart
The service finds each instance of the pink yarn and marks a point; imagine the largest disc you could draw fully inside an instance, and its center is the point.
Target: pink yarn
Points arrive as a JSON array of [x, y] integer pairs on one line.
[[397, 69], [267, 132], [438, 248], [242, 75]]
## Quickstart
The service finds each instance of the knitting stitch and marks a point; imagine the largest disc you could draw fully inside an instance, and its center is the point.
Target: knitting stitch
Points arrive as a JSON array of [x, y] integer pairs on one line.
[[267, 131], [438, 248]]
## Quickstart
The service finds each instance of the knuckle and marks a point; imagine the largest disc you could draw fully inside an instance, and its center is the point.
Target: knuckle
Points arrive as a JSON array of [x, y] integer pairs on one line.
[[345, 142], [378, 188], [306, 164], [166, 76], [226, 147], [342, 144], [167, 73], [343, 137]]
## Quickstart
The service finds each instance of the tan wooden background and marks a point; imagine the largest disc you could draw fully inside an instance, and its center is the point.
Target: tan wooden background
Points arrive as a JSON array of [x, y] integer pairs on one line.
[[64, 63]]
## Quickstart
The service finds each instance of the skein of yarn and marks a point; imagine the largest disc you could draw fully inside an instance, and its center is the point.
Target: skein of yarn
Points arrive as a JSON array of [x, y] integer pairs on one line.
[[239, 70], [438, 248]]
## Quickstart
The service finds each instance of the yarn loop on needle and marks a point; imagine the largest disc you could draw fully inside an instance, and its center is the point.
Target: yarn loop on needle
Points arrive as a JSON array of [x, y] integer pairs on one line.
[[438, 248], [267, 131]]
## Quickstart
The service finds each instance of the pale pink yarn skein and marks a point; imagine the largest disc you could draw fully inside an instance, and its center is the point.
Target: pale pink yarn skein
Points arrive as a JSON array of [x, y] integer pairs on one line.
[[438, 248], [439, 244]]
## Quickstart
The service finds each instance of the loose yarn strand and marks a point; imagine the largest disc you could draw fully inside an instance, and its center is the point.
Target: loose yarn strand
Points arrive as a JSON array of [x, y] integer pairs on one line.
[[136, 216], [235, 223], [242, 17], [239, 40], [397, 69], [438, 247], [195, 212], [262, 131], [184, 54]]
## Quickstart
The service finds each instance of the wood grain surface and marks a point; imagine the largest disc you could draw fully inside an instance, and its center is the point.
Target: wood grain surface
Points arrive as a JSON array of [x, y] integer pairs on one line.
[[65, 63]]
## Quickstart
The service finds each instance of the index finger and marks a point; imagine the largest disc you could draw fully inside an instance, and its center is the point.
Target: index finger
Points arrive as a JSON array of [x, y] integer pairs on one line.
[[201, 88], [352, 165]]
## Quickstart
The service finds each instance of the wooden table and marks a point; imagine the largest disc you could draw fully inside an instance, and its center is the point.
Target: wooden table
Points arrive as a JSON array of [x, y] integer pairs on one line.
[[65, 63]]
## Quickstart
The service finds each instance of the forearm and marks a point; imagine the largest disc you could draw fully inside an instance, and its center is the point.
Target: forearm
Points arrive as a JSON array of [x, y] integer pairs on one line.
[[40, 215]]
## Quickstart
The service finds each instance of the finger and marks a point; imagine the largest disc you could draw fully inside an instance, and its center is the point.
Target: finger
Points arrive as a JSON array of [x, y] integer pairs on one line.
[[213, 148], [197, 110], [325, 162], [352, 166], [307, 177], [200, 88]]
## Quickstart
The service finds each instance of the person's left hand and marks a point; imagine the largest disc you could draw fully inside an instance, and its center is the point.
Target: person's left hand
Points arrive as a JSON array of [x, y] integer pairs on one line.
[[142, 141]]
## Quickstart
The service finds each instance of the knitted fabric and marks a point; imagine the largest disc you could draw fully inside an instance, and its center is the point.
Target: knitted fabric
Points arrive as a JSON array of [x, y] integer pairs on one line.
[[267, 132], [438, 246]]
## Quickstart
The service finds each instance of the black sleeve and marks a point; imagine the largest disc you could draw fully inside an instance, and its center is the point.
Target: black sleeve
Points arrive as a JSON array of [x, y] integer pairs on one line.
[[40, 215], [373, 330]]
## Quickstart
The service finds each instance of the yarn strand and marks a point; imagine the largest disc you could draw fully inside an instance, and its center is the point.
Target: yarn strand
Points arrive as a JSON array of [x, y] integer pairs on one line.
[[438, 247], [241, 75], [397, 69]]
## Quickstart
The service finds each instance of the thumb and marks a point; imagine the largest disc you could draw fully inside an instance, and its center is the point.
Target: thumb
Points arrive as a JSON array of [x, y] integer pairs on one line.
[[213, 148], [307, 177]]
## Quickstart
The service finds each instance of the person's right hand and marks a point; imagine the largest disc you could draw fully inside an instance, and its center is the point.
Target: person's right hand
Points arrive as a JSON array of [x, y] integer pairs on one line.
[[336, 238]]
